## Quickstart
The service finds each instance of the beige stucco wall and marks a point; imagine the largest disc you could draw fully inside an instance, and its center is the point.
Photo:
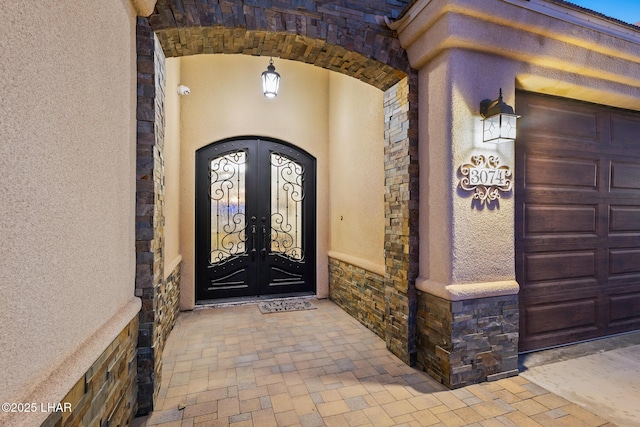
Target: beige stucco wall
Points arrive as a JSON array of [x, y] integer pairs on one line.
[[356, 170], [465, 52], [226, 100], [172, 167], [67, 156], [335, 118], [144, 7]]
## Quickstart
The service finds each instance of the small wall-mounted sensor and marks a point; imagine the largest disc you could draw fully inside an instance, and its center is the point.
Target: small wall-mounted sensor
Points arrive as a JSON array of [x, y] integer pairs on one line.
[[183, 90]]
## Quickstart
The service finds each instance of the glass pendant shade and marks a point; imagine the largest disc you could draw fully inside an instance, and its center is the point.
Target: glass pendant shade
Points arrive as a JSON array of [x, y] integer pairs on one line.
[[499, 121], [270, 81], [499, 128]]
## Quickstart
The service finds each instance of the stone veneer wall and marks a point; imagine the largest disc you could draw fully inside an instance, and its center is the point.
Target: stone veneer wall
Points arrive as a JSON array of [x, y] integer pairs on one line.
[[388, 306], [159, 296], [106, 394], [166, 309], [348, 37], [401, 215], [467, 342], [358, 292]]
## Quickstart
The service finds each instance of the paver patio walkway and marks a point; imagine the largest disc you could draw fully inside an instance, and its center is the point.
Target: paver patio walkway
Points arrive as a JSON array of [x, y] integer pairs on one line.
[[234, 366]]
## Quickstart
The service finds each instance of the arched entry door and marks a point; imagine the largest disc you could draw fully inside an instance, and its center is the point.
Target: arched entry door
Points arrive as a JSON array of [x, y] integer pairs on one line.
[[255, 219]]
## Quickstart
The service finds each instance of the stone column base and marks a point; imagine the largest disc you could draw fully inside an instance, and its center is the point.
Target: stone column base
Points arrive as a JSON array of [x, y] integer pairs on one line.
[[469, 341]]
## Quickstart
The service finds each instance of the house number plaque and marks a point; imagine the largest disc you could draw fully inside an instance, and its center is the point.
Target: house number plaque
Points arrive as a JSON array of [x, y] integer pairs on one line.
[[485, 178]]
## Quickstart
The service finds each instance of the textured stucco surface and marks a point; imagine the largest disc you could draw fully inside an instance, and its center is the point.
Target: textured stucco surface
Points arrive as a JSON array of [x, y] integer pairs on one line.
[[67, 153], [356, 168], [144, 7], [465, 52], [483, 235], [434, 154]]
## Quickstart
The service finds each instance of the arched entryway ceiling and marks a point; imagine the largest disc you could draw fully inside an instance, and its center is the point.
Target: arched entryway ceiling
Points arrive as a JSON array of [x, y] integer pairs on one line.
[[350, 38]]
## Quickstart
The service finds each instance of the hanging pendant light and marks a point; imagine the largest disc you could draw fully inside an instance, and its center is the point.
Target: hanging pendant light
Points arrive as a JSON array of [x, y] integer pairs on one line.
[[499, 121], [270, 81]]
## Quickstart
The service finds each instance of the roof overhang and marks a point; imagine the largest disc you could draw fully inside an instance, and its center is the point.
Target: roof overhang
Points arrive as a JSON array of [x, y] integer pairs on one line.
[[536, 35]]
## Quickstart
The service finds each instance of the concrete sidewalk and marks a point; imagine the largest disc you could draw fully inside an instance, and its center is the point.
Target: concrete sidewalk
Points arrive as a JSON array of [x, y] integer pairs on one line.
[[602, 376], [234, 366]]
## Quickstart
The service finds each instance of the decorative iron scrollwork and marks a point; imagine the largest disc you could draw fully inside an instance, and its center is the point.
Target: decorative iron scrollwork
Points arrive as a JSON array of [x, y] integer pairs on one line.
[[287, 195], [227, 195], [485, 178]]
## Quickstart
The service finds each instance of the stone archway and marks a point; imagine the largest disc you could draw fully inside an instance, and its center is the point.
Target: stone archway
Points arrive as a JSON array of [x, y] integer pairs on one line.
[[350, 38], [351, 41], [283, 45]]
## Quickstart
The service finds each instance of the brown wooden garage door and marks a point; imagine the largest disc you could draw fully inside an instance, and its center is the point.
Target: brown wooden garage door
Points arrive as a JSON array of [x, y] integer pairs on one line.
[[577, 220]]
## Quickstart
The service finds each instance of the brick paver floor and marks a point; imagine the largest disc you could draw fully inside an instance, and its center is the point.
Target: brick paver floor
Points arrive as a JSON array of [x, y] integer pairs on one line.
[[234, 366]]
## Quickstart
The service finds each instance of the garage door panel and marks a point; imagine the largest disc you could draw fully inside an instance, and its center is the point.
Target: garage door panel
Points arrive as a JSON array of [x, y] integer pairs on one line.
[[549, 290], [558, 122], [577, 190], [625, 131], [624, 261], [563, 219], [569, 197], [625, 176], [561, 318], [565, 242], [623, 284], [625, 308], [564, 173], [624, 220], [560, 265]]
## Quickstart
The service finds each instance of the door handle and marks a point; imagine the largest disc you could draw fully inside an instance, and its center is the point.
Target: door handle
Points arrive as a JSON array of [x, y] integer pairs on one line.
[[253, 242], [264, 242]]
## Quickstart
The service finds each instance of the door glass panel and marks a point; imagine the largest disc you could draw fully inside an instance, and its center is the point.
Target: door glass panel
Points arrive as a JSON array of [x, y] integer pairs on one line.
[[286, 207], [227, 195]]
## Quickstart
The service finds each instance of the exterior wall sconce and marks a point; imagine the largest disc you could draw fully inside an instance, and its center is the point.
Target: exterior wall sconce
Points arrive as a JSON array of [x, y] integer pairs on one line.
[[499, 121], [270, 81]]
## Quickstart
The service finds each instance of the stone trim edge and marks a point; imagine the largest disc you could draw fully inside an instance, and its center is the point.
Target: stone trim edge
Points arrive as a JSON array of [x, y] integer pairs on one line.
[[144, 7], [467, 291], [367, 265], [170, 267], [55, 386]]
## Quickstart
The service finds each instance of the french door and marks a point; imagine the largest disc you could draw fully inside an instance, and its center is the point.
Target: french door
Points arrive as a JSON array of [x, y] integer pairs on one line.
[[255, 219]]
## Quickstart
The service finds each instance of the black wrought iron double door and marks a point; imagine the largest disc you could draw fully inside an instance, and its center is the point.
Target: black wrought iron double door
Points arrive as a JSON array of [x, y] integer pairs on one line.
[[255, 219]]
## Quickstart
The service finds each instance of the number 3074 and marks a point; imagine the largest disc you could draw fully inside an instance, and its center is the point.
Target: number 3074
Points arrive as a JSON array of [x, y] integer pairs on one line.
[[484, 176]]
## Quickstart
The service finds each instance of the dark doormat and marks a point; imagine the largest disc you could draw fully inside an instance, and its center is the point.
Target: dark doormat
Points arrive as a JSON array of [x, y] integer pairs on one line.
[[285, 305]]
